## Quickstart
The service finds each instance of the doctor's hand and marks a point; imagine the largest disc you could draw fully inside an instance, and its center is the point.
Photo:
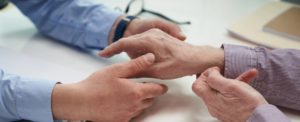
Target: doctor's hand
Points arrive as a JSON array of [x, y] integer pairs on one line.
[[174, 58], [229, 100], [107, 95], [137, 26]]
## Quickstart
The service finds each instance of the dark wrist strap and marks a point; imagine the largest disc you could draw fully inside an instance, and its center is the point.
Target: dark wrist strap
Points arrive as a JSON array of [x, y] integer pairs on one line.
[[122, 27]]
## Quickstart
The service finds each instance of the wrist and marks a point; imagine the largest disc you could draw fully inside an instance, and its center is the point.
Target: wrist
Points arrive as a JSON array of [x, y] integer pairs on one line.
[[211, 57], [113, 29], [65, 102], [133, 25], [119, 28]]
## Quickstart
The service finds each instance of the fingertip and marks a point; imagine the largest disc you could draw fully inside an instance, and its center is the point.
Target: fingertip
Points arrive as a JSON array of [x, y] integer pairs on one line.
[[198, 88], [197, 84], [182, 36], [103, 54], [195, 87], [149, 57], [254, 70], [213, 71], [164, 88]]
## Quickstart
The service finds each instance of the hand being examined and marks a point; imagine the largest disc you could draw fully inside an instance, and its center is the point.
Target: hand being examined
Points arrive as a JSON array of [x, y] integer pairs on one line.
[[174, 58]]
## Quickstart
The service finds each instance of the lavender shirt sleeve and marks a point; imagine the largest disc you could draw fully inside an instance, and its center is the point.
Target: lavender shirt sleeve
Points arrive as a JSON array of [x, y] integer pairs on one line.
[[279, 72], [267, 113]]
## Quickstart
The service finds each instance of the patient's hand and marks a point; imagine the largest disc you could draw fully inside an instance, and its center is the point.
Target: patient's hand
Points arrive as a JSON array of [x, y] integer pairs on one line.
[[228, 100], [107, 95], [174, 58]]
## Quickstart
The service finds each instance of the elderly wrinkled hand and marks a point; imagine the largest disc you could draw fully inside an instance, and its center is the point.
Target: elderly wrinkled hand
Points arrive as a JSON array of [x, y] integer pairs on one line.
[[174, 58], [107, 95], [228, 100]]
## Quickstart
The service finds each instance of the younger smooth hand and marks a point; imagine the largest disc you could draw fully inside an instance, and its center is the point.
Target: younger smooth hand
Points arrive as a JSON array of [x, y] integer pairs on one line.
[[107, 95]]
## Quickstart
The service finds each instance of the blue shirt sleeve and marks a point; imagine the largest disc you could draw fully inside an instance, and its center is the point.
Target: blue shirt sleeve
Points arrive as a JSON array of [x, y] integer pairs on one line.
[[79, 23], [25, 99]]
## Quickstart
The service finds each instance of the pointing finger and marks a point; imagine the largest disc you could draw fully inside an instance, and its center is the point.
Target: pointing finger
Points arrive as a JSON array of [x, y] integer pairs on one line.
[[115, 48]]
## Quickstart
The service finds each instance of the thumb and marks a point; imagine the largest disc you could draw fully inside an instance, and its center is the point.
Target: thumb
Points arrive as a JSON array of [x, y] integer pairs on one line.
[[248, 76], [132, 68]]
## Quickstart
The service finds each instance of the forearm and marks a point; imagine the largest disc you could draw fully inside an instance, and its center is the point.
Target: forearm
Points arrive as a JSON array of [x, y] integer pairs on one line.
[[278, 79], [75, 22], [211, 57], [25, 99]]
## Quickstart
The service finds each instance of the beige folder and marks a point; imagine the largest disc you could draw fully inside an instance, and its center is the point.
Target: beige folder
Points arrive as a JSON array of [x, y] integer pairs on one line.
[[270, 26]]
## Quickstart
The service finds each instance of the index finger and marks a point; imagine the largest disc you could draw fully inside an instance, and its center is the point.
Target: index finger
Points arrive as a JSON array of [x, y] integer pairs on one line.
[[117, 47]]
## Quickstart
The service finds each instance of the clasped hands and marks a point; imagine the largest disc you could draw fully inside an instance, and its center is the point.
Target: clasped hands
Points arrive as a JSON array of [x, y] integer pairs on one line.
[[109, 95]]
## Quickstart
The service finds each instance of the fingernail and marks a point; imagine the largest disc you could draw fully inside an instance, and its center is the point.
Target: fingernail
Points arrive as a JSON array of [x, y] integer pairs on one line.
[[182, 34], [165, 87], [149, 57], [103, 54]]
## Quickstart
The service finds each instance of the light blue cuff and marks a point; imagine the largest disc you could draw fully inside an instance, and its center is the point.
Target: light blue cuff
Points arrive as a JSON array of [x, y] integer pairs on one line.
[[33, 100]]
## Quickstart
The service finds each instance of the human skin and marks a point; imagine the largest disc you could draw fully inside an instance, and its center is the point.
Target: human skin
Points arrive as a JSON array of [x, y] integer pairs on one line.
[[228, 100], [108, 95], [137, 26], [69, 101], [173, 58], [176, 59]]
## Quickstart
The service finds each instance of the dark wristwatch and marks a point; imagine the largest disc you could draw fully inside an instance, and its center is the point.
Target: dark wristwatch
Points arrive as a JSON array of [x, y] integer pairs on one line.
[[121, 27]]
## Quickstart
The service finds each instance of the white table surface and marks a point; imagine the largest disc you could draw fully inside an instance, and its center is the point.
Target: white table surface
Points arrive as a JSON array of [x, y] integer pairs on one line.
[[23, 46]]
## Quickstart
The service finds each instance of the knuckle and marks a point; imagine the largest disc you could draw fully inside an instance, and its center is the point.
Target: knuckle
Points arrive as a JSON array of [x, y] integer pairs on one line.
[[121, 42], [137, 95], [148, 37], [198, 90], [212, 78], [138, 65]]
